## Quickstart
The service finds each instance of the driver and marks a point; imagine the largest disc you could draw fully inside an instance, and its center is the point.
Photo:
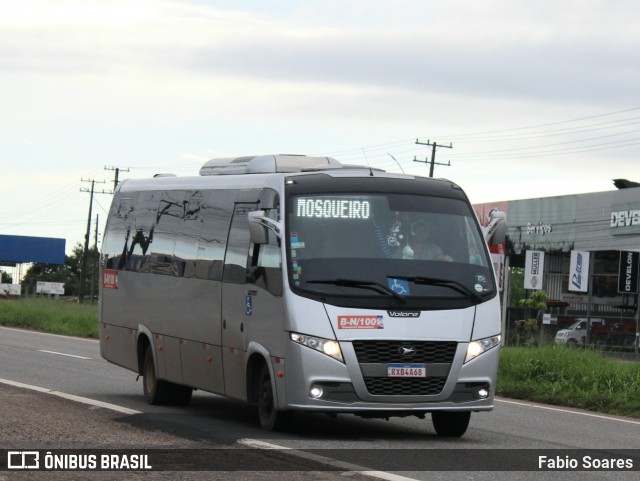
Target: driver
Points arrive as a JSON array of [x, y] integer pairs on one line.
[[420, 245]]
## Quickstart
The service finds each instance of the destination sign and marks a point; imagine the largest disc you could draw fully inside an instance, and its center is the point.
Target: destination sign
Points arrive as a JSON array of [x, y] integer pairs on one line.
[[333, 208]]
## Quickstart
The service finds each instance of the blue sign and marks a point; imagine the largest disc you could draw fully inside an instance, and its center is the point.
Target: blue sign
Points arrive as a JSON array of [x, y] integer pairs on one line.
[[17, 248], [399, 286], [248, 310]]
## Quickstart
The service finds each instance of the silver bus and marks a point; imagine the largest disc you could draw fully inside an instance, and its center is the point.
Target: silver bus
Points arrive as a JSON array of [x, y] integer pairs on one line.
[[298, 283]]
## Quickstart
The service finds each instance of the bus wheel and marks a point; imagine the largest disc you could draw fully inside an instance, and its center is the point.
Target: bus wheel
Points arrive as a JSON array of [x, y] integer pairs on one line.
[[155, 391], [270, 418], [450, 424]]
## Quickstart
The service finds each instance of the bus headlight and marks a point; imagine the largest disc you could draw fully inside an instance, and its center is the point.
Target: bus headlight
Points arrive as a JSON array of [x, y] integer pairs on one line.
[[475, 348], [326, 346]]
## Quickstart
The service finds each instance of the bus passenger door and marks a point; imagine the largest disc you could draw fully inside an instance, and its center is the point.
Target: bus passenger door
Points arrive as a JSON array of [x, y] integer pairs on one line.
[[234, 302]]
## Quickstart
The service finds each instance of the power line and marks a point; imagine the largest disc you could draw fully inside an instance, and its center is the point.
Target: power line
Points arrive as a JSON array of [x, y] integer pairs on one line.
[[380, 151], [548, 124]]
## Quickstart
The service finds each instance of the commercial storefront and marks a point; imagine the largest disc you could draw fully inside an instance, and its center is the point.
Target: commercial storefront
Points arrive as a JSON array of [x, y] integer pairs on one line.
[[587, 247]]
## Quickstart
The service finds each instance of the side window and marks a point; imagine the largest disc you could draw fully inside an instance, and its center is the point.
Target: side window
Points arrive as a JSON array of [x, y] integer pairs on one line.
[[116, 240], [168, 222], [189, 229], [141, 224], [474, 243], [265, 268], [235, 261], [215, 215]]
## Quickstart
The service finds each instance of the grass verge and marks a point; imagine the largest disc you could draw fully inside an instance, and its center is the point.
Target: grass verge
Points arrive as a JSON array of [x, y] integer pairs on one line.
[[54, 316], [570, 377]]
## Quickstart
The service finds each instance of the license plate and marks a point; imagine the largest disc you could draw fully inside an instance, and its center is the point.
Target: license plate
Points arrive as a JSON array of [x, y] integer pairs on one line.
[[406, 370]]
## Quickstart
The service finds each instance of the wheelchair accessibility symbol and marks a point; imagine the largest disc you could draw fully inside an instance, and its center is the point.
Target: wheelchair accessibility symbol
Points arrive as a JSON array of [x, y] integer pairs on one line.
[[248, 310], [399, 286]]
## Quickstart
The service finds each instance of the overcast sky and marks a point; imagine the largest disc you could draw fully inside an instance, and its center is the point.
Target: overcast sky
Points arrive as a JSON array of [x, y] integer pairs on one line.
[[537, 98]]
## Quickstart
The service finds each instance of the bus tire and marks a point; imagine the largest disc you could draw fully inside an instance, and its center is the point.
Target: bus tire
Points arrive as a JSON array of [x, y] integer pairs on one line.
[[270, 417], [156, 392], [450, 424]]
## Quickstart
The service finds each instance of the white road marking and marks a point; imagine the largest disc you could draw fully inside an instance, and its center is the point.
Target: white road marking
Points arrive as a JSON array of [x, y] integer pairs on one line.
[[254, 443], [568, 411], [80, 399], [29, 331], [64, 354]]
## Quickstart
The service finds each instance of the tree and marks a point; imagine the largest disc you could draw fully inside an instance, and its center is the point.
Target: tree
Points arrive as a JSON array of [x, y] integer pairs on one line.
[[538, 302], [517, 286], [69, 273]]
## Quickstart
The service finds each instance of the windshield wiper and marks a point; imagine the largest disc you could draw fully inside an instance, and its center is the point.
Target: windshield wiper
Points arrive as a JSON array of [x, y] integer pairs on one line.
[[434, 281], [374, 286]]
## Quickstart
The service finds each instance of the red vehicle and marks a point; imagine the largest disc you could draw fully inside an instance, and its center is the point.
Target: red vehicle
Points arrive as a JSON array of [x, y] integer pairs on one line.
[[621, 334]]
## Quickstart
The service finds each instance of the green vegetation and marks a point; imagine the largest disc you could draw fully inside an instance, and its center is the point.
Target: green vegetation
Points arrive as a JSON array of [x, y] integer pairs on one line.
[[553, 374], [55, 316], [68, 273], [570, 377]]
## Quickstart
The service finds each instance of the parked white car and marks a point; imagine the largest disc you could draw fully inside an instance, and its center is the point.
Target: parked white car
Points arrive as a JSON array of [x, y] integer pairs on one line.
[[576, 333]]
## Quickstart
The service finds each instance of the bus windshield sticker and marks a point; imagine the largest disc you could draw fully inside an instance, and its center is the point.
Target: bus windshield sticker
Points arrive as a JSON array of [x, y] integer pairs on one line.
[[360, 322], [399, 286], [297, 270], [295, 243], [481, 283], [395, 236]]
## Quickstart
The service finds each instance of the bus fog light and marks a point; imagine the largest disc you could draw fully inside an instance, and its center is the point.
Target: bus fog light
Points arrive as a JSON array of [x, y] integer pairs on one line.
[[315, 392], [483, 394]]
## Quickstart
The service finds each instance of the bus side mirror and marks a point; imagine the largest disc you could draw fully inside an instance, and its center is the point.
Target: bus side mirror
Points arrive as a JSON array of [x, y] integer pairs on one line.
[[258, 225], [496, 231]]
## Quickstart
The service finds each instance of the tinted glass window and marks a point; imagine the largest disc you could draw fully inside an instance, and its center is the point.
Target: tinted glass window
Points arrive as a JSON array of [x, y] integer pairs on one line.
[[168, 221], [115, 246], [266, 265], [141, 225], [215, 215], [186, 243], [235, 261], [362, 248]]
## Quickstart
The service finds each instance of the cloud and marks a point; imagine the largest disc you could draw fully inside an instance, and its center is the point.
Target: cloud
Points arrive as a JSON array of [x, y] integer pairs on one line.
[[497, 49]]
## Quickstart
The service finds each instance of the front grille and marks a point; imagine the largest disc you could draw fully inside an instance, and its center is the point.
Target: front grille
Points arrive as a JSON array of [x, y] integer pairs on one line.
[[393, 386], [387, 352], [390, 351]]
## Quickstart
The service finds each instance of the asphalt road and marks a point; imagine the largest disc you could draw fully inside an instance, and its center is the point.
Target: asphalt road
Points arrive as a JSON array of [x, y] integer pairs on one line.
[[394, 449]]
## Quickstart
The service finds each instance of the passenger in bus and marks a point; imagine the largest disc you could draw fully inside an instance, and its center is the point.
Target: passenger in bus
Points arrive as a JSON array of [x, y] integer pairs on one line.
[[420, 245]]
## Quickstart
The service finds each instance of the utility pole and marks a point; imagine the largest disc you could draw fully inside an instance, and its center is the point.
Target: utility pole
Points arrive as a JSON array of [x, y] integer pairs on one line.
[[83, 265], [94, 259], [433, 155], [117, 171]]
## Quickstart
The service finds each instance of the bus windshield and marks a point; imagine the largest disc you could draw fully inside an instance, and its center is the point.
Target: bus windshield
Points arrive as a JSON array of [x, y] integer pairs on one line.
[[387, 250]]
